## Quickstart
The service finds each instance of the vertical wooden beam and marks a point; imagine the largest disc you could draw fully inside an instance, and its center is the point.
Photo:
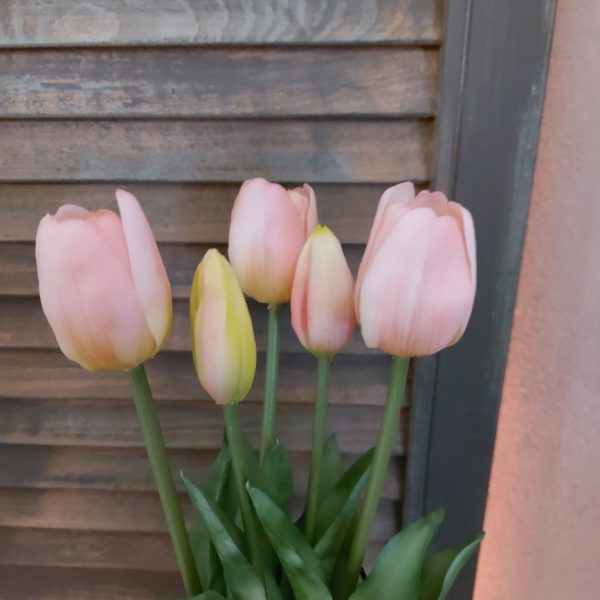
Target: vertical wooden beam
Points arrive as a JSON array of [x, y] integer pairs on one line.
[[495, 60]]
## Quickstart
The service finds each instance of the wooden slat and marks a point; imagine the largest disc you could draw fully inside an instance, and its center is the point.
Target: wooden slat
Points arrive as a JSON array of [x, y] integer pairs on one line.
[[90, 422], [48, 374], [153, 22], [47, 583], [127, 469], [319, 151], [182, 213], [23, 325], [18, 275], [201, 83], [98, 549], [100, 510]]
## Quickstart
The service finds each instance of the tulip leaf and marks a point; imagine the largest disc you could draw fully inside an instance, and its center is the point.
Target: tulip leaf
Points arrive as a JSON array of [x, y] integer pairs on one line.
[[275, 476], [228, 540], [332, 466], [210, 595], [332, 503], [397, 570], [328, 546], [441, 570], [300, 563], [205, 556]]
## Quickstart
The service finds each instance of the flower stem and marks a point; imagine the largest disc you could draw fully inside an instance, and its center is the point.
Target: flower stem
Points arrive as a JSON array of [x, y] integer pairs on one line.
[[319, 427], [379, 467], [163, 477], [240, 475], [272, 368]]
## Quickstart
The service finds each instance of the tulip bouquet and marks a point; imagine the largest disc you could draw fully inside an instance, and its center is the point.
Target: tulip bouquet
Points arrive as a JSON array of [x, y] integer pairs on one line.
[[106, 295]]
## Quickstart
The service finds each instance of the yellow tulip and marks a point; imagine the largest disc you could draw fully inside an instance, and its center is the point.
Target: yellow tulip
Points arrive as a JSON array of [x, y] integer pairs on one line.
[[224, 347]]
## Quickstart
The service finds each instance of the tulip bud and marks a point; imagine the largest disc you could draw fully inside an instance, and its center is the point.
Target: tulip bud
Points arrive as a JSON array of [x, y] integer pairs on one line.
[[416, 283], [322, 295], [103, 285], [223, 340], [269, 226]]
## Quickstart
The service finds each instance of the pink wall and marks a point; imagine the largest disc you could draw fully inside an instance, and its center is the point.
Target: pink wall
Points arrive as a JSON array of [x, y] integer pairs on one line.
[[543, 514]]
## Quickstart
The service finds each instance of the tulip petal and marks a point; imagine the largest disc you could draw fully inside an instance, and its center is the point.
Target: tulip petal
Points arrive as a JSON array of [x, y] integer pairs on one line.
[[389, 293], [224, 345], [266, 237], [306, 202], [147, 268], [393, 204], [94, 326], [322, 296], [463, 216]]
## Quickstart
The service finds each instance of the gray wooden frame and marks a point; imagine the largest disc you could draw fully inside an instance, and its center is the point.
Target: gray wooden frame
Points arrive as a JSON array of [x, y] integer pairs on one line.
[[495, 60]]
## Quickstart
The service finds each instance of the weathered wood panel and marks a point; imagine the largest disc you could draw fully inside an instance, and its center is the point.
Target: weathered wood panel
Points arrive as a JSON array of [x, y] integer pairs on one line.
[[101, 510], [354, 379], [23, 325], [47, 583], [91, 422], [127, 469], [18, 275], [323, 151], [153, 22], [180, 212], [199, 82]]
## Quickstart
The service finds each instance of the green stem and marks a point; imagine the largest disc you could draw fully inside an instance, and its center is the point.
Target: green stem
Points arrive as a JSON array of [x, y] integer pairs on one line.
[[378, 472], [319, 426], [240, 475], [271, 371], [163, 477]]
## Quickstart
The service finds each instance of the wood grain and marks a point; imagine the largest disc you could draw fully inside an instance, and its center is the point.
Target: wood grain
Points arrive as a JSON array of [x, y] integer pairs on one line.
[[18, 276], [206, 83], [102, 510], [154, 22], [127, 469], [91, 422], [47, 583], [321, 151], [23, 325], [48, 374], [179, 212]]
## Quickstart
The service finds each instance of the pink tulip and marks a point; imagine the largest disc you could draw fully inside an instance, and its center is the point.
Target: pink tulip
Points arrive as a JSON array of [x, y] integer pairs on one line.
[[416, 283], [103, 285], [269, 226], [322, 295]]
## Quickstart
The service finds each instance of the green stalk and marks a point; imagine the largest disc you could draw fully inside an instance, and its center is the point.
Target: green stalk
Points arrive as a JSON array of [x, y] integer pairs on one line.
[[271, 371], [163, 477], [319, 426], [378, 472], [240, 475]]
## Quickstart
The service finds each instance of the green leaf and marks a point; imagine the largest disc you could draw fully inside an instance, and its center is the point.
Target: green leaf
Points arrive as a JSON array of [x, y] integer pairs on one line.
[[205, 556], [332, 503], [275, 476], [242, 581], [300, 563], [332, 466], [441, 570], [397, 570], [328, 546], [209, 596]]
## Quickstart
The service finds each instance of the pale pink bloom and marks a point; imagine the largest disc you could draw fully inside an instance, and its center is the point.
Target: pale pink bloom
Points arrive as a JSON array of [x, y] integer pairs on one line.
[[269, 226], [322, 295], [416, 283], [103, 285]]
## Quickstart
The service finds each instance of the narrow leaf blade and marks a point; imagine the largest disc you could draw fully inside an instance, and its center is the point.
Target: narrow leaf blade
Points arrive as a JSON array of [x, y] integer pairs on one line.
[[397, 570], [441, 570], [242, 581], [300, 563]]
